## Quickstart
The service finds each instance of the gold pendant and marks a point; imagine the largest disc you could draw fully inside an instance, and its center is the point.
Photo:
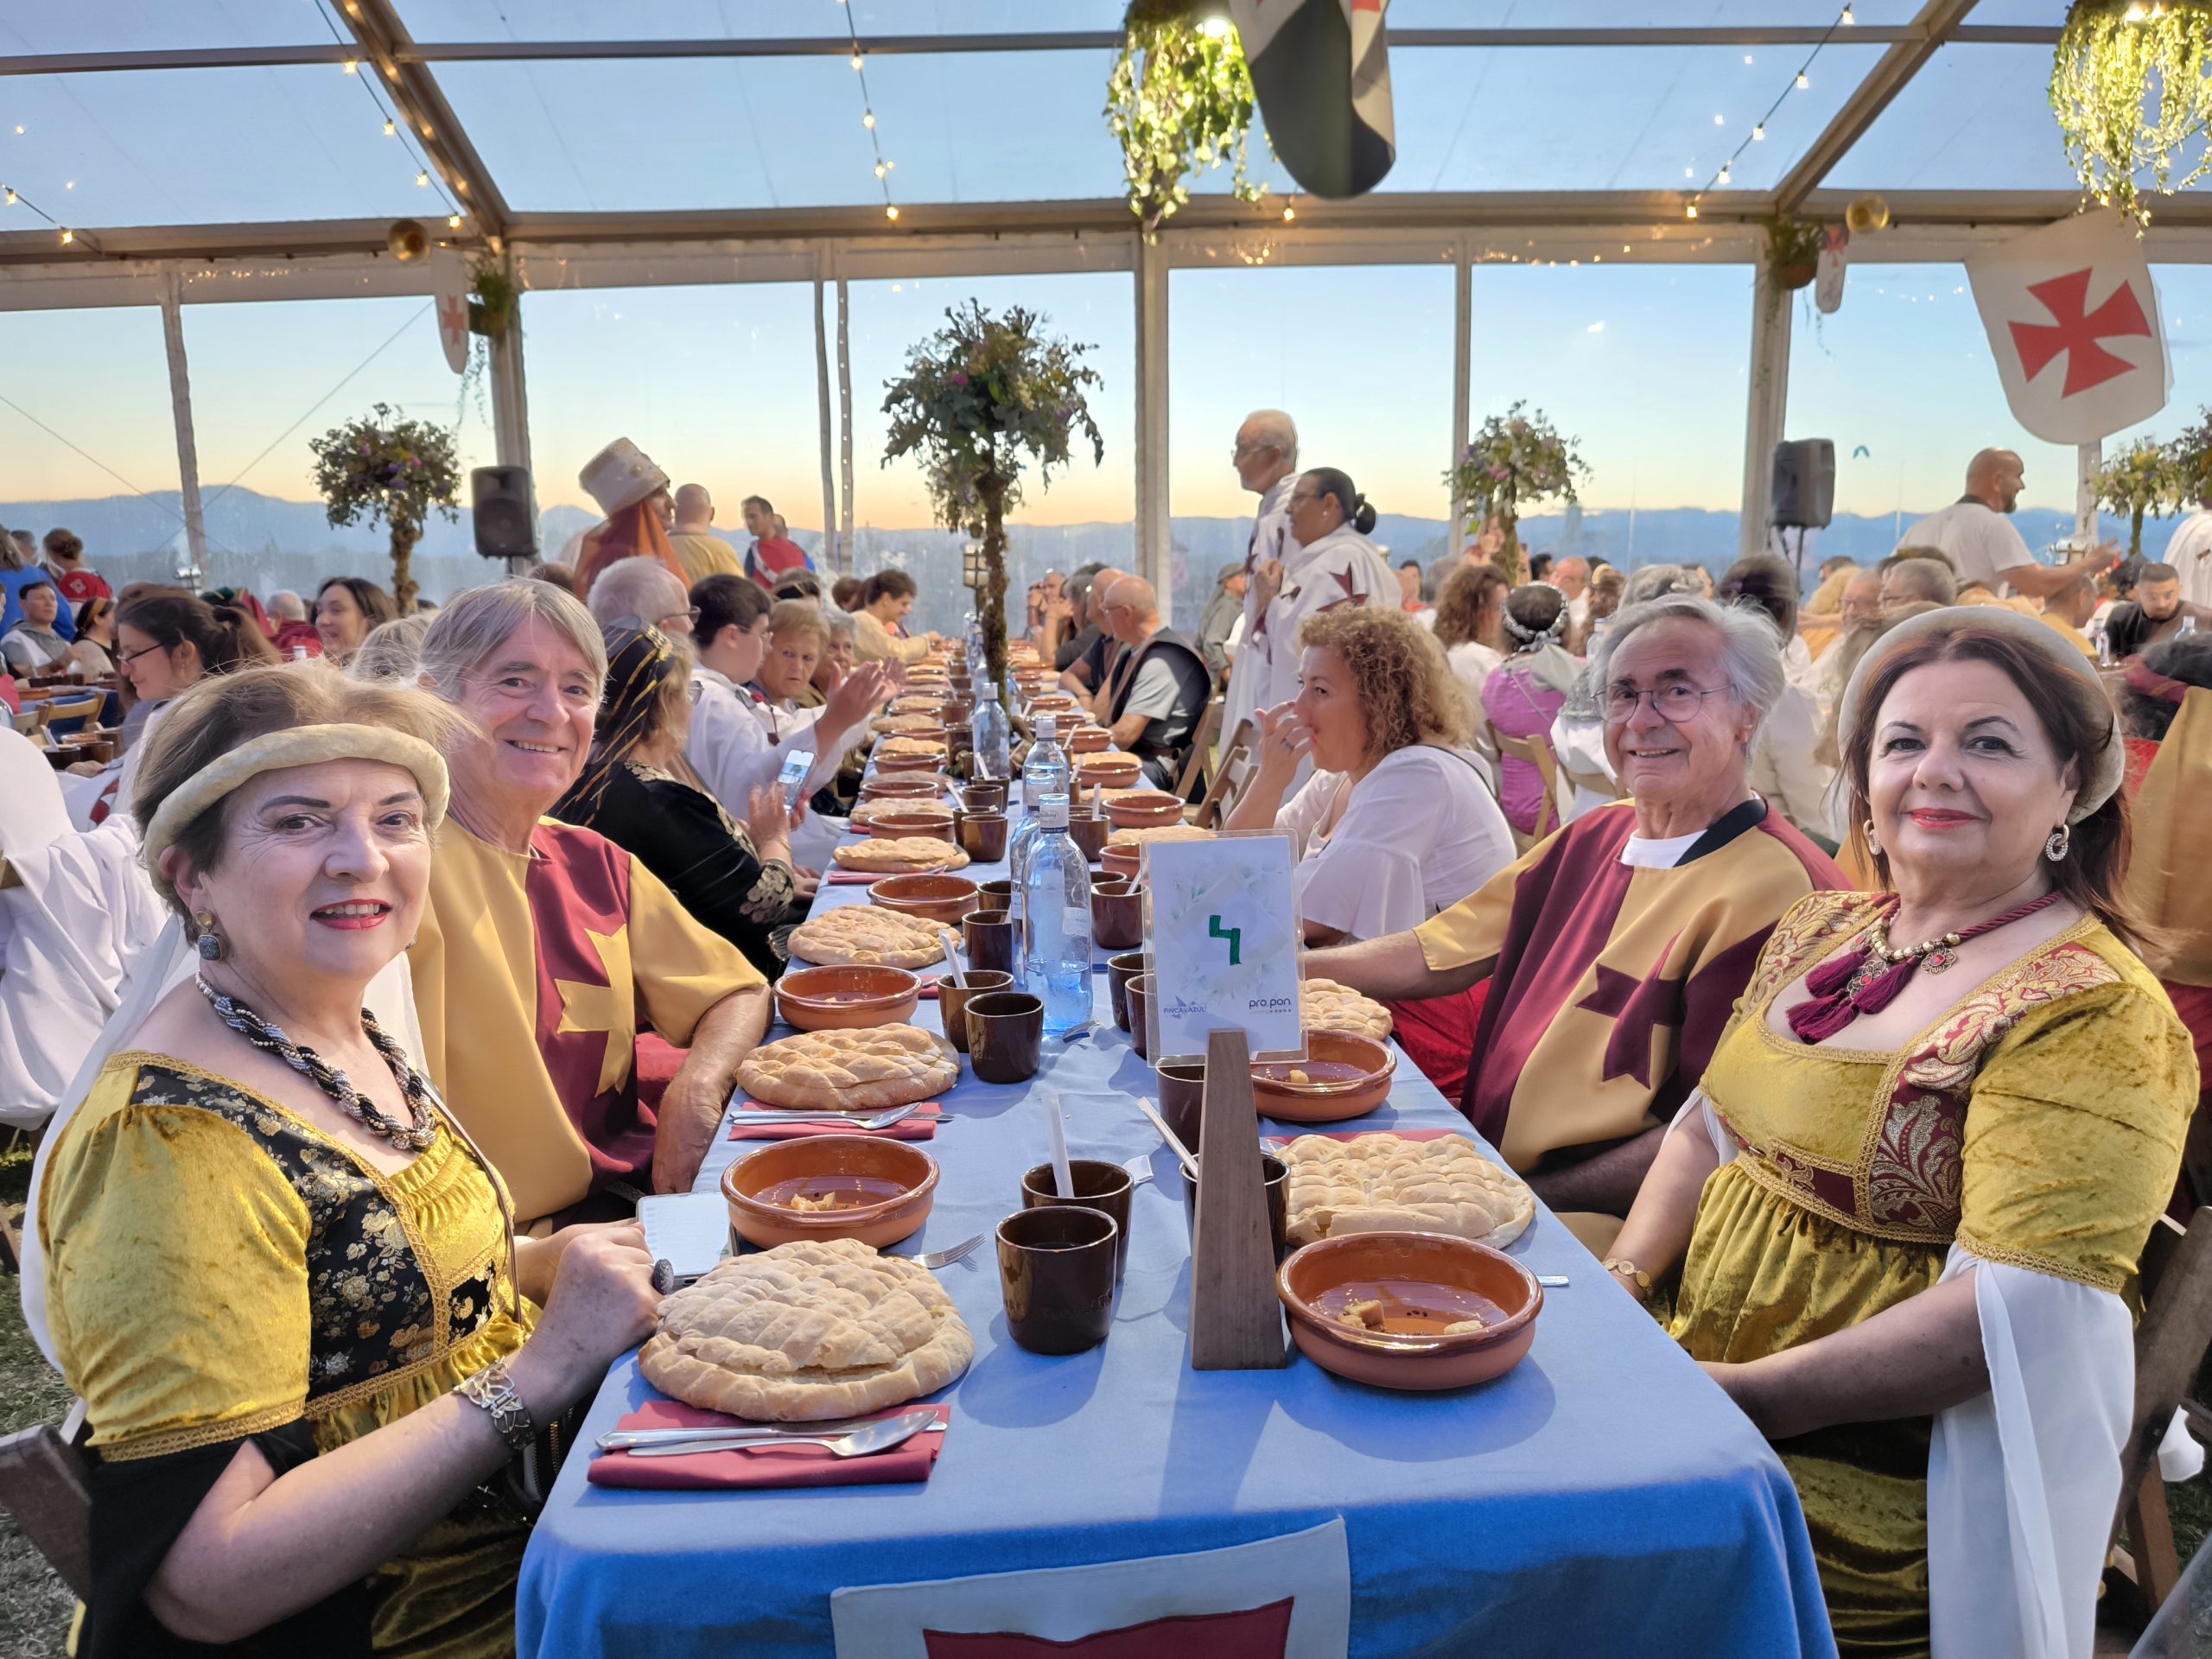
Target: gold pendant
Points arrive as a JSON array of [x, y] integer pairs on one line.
[[1938, 959]]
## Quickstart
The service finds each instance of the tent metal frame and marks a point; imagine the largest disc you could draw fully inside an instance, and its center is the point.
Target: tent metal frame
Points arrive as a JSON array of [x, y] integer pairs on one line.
[[175, 266]]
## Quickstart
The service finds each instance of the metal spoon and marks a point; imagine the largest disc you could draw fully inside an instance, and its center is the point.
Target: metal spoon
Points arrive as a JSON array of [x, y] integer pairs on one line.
[[860, 1443]]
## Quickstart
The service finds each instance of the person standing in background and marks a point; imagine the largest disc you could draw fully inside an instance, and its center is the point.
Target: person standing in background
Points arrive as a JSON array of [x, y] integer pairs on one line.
[[1983, 544], [65, 562], [772, 555], [1266, 459], [699, 549], [2189, 550]]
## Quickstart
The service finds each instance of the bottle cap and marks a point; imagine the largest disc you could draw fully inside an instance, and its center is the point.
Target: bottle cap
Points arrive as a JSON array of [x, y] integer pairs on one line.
[[1052, 812], [1048, 728]]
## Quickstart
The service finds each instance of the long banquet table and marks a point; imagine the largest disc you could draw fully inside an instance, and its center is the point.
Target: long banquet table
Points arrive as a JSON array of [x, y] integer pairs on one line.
[[1603, 1498]]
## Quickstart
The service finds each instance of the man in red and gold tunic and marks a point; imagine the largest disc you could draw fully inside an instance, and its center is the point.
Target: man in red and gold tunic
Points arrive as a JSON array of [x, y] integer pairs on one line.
[[1605, 963], [546, 948]]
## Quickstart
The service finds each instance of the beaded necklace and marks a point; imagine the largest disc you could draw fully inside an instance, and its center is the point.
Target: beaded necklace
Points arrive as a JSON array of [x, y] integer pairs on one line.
[[413, 1136], [1867, 980]]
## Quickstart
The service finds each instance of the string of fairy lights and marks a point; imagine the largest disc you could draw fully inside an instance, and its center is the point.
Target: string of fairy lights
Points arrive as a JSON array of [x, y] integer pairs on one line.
[[868, 114], [387, 117], [1802, 81]]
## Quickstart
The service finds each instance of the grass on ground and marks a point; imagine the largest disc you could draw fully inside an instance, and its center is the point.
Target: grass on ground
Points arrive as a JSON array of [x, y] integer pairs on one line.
[[34, 1605]]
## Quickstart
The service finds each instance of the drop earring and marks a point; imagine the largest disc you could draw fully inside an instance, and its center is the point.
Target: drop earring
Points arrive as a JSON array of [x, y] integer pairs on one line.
[[2061, 839], [210, 943]]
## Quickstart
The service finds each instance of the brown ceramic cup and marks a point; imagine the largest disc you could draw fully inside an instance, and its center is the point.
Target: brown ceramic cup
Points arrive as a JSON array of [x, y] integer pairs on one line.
[[989, 937], [1117, 911], [1120, 970], [984, 797], [1006, 1035], [1138, 995], [1274, 1173], [952, 1000], [998, 894], [1098, 1186], [1056, 1272], [1182, 1099], [1089, 834], [982, 836]]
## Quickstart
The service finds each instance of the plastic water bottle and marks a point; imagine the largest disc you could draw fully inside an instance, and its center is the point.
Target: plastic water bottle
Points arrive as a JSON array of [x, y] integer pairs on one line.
[[1056, 921], [978, 653], [1047, 770], [988, 731]]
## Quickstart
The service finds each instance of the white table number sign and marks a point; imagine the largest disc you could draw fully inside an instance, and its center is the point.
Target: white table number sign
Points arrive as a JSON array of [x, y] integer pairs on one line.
[[1222, 919]]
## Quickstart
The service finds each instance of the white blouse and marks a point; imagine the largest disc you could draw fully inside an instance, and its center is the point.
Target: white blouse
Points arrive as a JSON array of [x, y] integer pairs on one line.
[[1420, 833]]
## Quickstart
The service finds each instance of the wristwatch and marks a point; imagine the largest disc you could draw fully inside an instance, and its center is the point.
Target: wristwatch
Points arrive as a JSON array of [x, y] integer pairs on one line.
[[494, 1391]]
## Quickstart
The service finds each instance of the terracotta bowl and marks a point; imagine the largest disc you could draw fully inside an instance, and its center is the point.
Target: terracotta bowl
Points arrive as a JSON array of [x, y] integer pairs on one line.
[[1348, 1075], [888, 826], [929, 763], [934, 732], [1456, 1269], [928, 898], [904, 1174], [1088, 740], [1113, 771], [886, 784], [1051, 703], [1147, 809], [847, 999], [1120, 860]]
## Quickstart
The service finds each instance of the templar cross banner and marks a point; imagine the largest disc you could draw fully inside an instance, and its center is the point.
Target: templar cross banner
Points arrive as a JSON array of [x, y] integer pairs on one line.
[[1321, 69], [2073, 321]]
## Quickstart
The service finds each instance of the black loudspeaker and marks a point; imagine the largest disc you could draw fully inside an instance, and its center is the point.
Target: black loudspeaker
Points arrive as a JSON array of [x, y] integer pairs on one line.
[[1803, 496], [498, 498]]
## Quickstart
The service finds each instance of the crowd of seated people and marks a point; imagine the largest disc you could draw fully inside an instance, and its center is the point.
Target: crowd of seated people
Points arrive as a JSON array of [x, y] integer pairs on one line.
[[1680, 969]]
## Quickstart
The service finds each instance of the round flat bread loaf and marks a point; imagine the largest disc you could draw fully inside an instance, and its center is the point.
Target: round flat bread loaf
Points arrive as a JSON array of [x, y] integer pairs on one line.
[[915, 724], [1159, 832], [915, 747], [900, 855], [850, 1070], [915, 704], [1385, 1184], [900, 806], [1326, 1006], [867, 934], [806, 1332]]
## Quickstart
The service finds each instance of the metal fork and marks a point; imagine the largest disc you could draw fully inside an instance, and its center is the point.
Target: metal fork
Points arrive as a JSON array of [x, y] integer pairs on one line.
[[950, 1254]]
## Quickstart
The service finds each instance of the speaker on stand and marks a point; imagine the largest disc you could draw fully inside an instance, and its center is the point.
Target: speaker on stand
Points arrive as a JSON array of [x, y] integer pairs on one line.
[[506, 519], [1802, 495]]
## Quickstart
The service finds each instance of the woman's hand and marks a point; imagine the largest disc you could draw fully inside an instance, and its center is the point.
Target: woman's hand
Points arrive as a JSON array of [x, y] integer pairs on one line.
[[1266, 582], [537, 1261], [804, 882], [768, 822], [1285, 741], [603, 1303]]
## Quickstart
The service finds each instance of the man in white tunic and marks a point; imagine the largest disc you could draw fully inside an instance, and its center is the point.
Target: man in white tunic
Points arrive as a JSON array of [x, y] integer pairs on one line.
[[1982, 543], [2189, 553], [1266, 458]]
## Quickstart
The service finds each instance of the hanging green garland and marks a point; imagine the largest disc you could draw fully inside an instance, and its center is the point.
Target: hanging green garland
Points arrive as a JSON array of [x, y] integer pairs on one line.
[[1179, 99], [2131, 91]]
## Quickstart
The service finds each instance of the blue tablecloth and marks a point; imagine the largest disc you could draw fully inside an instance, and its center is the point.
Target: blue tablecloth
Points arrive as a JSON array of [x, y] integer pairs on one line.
[[1604, 1497]]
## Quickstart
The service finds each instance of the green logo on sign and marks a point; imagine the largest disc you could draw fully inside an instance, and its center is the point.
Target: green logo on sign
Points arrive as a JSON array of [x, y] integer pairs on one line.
[[1234, 935]]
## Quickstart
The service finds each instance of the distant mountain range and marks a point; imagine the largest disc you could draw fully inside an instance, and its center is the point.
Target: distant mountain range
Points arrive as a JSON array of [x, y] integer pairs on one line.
[[265, 543]]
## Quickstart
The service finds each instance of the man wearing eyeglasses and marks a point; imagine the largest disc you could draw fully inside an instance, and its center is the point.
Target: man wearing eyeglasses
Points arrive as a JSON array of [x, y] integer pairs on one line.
[[1576, 998], [1266, 459]]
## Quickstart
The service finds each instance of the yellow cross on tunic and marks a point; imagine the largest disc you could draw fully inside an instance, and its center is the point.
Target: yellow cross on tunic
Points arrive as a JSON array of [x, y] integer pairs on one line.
[[591, 1008]]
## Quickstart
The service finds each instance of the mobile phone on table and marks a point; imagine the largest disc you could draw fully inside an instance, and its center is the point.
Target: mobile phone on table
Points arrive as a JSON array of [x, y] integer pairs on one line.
[[797, 764]]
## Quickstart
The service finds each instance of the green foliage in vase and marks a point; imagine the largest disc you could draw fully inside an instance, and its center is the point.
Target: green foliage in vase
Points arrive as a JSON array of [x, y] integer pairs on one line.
[[395, 471], [983, 398], [2144, 478], [1516, 460], [1179, 99], [2132, 87]]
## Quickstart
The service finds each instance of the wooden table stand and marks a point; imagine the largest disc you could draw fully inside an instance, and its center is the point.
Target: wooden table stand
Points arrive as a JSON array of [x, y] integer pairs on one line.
[[1235, 1316]]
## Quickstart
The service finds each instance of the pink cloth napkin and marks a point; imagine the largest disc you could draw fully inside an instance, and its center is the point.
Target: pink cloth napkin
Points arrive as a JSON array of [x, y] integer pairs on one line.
[[1356, 1134], [920, 1124], [850, 878], [795, 1465]]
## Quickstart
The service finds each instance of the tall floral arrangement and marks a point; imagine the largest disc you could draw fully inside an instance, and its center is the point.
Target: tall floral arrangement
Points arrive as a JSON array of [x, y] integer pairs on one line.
[[2192, 454], [1517, 459], [983, 398], [1179, 99], [2144, 478], [396, 471], [2132, 87]]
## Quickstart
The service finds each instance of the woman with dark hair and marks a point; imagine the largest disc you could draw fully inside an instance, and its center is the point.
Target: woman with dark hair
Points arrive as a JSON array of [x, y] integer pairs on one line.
[[1907, 1201], [639, 792], [1332, 564], [94, 648], [345, 609], [165, 644], [1524, 694], [881, 620]]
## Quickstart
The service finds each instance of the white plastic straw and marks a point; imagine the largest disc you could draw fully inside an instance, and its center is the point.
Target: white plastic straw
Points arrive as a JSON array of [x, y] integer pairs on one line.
[[1063, 1177], [1174, 1142]]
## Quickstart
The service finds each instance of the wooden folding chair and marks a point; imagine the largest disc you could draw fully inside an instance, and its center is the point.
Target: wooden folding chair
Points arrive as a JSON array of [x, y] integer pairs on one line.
[[2170, 1346], [66, 714], [1235, 769], [1194, 758], [1538, 753], [45, 1486]]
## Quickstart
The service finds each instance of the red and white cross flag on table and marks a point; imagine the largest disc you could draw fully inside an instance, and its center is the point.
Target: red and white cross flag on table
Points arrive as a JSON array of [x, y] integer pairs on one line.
[[1321, 69], [2073, 321]]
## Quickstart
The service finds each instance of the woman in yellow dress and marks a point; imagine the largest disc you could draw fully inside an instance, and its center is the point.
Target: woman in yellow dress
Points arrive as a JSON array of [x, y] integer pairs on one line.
[[1908, 1201], [282, 1280]]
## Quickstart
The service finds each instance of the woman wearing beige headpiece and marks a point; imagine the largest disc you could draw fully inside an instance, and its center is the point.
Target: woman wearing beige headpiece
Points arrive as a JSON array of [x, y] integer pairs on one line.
[[280, 1276], [1942, 1122]]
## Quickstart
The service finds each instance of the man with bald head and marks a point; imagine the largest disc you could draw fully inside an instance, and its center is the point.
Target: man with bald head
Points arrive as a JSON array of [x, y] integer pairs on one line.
[[699, 549], [1266, 459], [644, 589], [1984, 547], [1157, 690], [1086, 675], [1571, 575]]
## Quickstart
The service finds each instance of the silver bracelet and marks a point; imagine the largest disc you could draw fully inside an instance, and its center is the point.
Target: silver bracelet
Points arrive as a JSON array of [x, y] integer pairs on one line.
[[494, 1391]]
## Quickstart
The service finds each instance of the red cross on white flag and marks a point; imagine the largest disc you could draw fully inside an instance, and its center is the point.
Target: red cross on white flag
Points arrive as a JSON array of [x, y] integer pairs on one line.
[[2073, 321]]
